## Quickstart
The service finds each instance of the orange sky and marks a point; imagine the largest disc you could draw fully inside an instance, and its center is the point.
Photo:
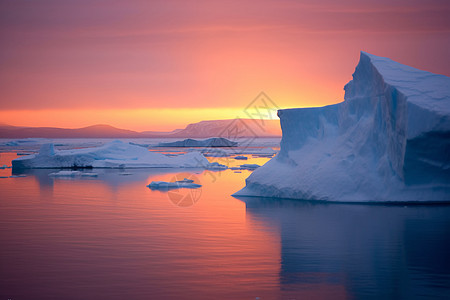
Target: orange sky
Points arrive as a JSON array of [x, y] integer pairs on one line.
[[158, 65]]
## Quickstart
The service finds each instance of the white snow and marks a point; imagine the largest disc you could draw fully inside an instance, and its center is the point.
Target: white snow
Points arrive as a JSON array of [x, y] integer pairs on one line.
[[115, 154], [388, 141]]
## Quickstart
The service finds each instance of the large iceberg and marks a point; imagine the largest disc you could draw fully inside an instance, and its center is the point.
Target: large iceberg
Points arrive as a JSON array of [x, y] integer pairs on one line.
[[115, 154], [388, 141]]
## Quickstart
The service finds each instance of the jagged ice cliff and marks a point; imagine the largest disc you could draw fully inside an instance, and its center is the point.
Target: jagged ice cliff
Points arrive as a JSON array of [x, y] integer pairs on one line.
[[388, 141]]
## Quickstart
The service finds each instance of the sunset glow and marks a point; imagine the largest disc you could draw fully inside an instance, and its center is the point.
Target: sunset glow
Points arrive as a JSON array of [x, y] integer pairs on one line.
[[160, 65]]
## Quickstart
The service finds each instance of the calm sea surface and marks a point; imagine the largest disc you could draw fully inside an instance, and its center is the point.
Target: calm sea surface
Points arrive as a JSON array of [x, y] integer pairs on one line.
[[111, 237]]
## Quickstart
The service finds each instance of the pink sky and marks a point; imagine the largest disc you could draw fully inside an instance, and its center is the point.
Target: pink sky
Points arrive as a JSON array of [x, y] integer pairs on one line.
[[152, 64]]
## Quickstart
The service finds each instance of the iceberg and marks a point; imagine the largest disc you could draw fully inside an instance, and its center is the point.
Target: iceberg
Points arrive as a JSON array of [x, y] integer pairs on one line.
[[249, 167], [212, 142], [164, 185], [115, 154], [240, 157], [388, 141], [72, 174]]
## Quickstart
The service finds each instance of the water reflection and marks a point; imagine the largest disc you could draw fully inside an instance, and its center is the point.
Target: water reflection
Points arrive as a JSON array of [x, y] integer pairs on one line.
[[112, 237], [373, 251]]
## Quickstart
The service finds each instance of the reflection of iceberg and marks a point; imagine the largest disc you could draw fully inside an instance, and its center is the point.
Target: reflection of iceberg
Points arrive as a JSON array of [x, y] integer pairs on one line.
[[373, 251], [388, 141], [115, 154]]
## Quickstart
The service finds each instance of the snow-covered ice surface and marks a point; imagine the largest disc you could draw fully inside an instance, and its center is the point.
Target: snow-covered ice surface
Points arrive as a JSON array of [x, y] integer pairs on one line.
[[388, 141], [115, 154]]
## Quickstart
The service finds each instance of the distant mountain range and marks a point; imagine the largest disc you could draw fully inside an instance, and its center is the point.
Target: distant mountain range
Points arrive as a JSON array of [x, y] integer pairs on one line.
[[215, 128]]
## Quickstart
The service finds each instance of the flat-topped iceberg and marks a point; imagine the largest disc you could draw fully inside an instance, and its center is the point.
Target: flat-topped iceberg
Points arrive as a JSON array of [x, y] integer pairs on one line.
[[212, 142], [164, 185], [388, 141], [115, 154]]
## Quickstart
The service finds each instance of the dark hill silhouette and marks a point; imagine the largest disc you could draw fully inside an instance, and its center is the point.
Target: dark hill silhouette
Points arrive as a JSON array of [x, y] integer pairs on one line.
[[204, 129]]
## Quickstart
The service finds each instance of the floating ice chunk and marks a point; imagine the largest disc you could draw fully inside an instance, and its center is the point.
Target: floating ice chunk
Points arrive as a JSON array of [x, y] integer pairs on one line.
[[216, 153], [163, 185], [84, 174], [388, 141], [216, 166], [249, 167], [268, 151], [115, 154], [240, 157], [68, 173], [65, 174]]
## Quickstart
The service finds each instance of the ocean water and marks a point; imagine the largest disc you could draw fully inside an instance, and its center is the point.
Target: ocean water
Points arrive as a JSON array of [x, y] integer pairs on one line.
[[111, 237]]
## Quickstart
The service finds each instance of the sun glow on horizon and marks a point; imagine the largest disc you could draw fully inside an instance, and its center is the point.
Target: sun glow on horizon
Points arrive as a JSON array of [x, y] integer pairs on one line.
[[131, 119], [153, 65]]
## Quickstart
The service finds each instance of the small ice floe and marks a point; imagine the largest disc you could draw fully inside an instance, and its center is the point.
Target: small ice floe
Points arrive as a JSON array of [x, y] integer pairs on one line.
[[164, 185], [241, 157], [24, 153], [215, 166], [89, 174], [237, 172], [72, 174], [249, 167], [215, 153], [125, 173], [65, 174], [263, 152]]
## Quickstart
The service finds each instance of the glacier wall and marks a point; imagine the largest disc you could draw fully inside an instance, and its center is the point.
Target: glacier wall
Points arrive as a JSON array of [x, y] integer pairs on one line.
[[388, 141]]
